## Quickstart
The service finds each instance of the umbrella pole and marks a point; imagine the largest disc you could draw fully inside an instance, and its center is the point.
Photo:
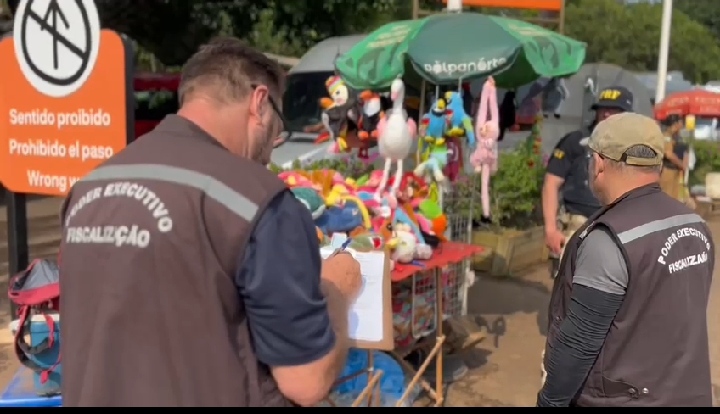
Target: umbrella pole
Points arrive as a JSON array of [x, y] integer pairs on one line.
[[420, 116]]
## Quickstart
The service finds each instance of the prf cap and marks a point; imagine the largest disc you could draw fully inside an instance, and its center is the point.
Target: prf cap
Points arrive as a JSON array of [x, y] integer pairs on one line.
[[615, 97], [612, 138]]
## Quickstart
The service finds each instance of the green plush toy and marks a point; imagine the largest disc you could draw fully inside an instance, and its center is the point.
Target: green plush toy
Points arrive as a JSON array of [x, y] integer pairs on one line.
[[311, 199], [430, 209]]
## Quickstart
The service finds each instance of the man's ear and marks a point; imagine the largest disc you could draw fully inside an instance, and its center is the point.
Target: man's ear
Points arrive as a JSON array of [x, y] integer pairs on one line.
[[258, 100], [600, 163]]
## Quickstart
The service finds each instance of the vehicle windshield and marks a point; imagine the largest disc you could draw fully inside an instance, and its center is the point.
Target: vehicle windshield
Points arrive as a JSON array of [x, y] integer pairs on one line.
[[703, 129], [704, 122], [301, 100]]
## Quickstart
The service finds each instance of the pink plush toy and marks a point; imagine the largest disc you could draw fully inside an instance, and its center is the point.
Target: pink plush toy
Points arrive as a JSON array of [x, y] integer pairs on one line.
[[295, 179], [487, 130]]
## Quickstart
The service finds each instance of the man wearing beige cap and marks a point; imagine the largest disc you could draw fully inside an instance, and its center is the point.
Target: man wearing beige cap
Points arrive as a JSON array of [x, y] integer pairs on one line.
[[627, 316]]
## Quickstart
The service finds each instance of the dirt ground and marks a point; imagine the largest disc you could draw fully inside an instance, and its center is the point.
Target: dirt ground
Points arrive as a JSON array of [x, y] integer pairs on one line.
[[505, 368]]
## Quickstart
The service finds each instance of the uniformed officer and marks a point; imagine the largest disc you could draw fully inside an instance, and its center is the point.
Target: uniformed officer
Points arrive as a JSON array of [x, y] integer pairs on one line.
[[567, 170], [676, 157], [628, 323]]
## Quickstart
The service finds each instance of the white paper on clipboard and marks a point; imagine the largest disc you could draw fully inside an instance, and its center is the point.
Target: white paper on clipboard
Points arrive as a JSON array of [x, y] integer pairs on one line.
[[365, 320]]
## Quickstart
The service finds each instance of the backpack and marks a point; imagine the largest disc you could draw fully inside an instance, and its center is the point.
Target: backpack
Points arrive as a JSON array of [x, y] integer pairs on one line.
[[36, 291]]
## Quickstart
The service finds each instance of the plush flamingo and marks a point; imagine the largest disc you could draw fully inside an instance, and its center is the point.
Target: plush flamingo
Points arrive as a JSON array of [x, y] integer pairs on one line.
[[396, 133], [487, 130]]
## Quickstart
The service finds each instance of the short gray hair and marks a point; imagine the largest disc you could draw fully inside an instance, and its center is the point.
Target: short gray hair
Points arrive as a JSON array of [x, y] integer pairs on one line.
[[639, 151], [232, 68]]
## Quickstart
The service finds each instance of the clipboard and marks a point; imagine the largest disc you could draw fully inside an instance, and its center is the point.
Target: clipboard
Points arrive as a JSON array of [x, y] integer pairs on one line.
[[387, 343]]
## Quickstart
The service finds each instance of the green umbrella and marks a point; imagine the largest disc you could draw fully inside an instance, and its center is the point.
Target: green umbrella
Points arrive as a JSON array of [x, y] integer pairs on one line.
[[444, 49]]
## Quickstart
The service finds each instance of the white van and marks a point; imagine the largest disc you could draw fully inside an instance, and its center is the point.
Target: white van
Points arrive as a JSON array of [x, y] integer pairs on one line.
[[305, 84]]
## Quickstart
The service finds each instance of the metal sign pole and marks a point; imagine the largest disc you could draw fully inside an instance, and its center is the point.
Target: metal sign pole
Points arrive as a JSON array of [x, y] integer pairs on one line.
[[17, 235]]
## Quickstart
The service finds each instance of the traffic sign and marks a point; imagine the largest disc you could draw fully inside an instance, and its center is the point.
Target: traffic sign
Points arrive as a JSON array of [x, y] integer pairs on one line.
[[56, 47], [64, 95]]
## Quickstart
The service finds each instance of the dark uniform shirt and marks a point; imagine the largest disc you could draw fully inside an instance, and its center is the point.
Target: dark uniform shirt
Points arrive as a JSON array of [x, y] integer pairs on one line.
[[278, 280], [566, 150], [679, 149], [569, 162]]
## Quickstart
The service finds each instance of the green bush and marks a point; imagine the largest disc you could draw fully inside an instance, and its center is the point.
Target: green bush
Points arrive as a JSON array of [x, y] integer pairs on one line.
[[515, 190], [707, 159], [352, 168]]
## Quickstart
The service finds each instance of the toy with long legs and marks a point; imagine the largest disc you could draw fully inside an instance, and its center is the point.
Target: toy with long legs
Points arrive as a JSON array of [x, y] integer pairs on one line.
[[396, 134], [485, 157]]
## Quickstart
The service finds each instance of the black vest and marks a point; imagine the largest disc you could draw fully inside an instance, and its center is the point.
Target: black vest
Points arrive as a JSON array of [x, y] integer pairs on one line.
[[656, 353], [577, 196]]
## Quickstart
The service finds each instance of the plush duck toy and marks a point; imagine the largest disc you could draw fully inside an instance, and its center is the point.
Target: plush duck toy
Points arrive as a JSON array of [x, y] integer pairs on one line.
[[432, 147], [460, 122], [435, 124], [335, 112], [372, 113]]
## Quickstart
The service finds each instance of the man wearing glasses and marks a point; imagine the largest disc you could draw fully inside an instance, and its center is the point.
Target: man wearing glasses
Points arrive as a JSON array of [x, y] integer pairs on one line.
[[191, 275]]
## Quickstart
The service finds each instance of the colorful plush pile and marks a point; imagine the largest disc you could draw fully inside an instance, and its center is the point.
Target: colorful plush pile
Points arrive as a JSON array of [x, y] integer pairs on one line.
[[410, 224]]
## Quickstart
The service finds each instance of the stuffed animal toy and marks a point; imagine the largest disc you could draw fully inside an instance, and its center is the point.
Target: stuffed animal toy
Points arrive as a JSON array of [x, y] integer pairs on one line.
[[454, 159], [295, 179], [339, 113], [311, 199], [403, 244], [460, 121], [396, 134], [431, 147], [485, 157], [346, 218], [434, 124], [404, 217], [340, 195], [371, 115], [411, 186]]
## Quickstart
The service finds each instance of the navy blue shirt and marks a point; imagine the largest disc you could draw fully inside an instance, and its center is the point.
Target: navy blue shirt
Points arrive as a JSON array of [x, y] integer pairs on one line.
[[279, 283]]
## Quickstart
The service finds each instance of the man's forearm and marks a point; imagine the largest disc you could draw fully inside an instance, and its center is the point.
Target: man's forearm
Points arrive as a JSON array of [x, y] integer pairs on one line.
[[674, 159], [550, 204], [338, 309], [577, 345]]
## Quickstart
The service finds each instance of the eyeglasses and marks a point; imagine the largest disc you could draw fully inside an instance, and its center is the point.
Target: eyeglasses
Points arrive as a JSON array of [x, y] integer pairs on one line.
[[284, 135], [275, 107]]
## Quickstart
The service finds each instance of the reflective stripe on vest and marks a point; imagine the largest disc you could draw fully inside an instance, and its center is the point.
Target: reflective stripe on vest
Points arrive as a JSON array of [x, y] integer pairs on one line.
[[211, 187], [658, 225]]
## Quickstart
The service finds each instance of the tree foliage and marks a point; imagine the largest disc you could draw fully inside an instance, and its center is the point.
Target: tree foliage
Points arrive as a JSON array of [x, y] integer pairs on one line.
[[626, 35], [173, 29], [629, 35], [705, 12]]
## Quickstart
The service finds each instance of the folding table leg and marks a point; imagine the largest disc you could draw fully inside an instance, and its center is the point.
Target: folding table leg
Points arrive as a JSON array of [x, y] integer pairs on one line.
[[367, 393]]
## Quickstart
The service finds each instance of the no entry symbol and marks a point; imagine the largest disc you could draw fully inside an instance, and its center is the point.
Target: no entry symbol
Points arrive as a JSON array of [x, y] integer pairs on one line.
[[56, 43]]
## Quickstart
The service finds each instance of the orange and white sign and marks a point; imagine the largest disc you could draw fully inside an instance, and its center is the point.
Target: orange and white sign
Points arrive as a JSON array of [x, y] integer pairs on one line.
[[63, 96], [549, 5]]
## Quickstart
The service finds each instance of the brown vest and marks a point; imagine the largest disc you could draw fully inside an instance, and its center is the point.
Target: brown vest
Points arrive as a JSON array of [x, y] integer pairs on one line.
[[152, 240], [656, 353]]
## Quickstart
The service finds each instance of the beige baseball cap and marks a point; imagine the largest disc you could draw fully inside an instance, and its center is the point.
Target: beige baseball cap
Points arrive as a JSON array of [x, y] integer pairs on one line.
[[612, 137]]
